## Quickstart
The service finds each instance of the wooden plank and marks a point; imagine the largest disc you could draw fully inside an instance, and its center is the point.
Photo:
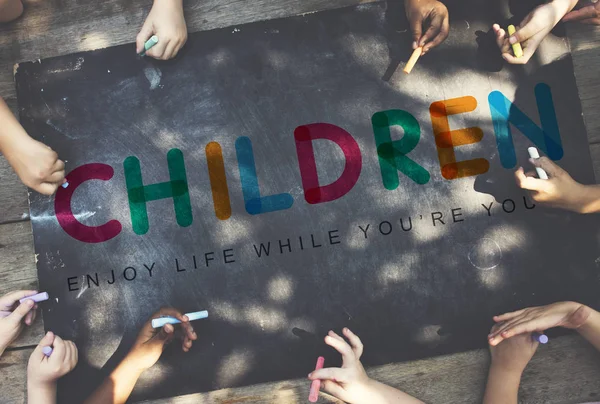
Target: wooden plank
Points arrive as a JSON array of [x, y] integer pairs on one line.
[[81, 26], [585, 46], [18, 271], [13, 373], [567, 370], [13, 195]]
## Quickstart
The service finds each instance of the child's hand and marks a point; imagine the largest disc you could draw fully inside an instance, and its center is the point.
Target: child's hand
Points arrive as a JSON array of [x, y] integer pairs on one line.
[[43, 371], [36, 164], [513, 355], [532, 30], [538, 319], [560, 190], [12, 315], [349, 383], [430, 14], [167, 22], [585, 15], [150, 342]]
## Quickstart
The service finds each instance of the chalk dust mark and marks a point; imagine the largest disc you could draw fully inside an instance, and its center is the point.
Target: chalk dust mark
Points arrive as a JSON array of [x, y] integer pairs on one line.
[[153, 75], [486, 254]]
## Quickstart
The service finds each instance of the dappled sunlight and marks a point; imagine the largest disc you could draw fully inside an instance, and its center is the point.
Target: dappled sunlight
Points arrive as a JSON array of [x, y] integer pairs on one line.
[[235, 366], [280, 288]]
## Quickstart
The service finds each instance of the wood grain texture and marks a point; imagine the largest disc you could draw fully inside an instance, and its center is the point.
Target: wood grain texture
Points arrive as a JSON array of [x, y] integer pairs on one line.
[[13, 373], [585, 45], [458, 378], [13, 195], [17, 271]]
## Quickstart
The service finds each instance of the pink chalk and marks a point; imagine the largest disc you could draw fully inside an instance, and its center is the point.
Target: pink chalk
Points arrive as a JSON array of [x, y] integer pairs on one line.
[[316, 384], [40, 297]]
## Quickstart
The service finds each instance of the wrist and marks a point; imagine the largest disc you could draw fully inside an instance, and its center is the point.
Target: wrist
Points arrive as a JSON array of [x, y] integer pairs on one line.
[[509, 373], [130, 367], [588, 199], [41, 387], [563, 7]]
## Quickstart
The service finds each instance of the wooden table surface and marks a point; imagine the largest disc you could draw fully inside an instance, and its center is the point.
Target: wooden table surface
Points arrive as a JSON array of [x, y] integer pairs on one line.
[[565, 371]]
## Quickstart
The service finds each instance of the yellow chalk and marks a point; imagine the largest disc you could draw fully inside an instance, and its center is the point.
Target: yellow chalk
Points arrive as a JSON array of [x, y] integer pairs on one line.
[[413, 60], [517, 50]]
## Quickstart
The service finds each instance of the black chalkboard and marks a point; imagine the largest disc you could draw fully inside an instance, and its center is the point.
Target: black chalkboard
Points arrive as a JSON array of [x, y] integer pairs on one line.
[[439, 258]]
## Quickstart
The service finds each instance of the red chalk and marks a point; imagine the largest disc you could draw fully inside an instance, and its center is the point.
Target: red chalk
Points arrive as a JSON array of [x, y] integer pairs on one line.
[[316, 384]]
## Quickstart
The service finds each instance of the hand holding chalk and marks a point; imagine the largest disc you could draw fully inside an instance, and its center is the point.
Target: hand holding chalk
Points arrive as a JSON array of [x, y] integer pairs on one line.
[[166, 24], [161, 321], [13, 314], [350, 382], [526, 38], [150, 342], [533, 153], [512, 355], [50, 360]]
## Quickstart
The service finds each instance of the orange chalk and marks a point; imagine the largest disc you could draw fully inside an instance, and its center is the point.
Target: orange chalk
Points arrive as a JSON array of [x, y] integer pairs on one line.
[[413, 60]]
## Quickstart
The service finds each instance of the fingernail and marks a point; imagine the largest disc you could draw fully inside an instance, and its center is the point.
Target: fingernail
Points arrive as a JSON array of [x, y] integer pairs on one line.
[[414, 45], [309, 375], [512, 40]]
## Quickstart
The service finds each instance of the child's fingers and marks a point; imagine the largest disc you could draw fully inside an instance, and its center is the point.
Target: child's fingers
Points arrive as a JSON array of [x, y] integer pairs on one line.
[[440, 37], [342, 347], [508, 316], [46, 188], [57, 176], [30, 317], [144, 34], [59, 351], [528, 325], [531, 183], [332, 334], [508, 324], [584, 13], [434, 28], [515, 60], [47, 340], [8, 301], [355, 342], [333, 388], [551, 168], [170, 50], [335, 374], [158, 50], [21, 311], [59, 166]]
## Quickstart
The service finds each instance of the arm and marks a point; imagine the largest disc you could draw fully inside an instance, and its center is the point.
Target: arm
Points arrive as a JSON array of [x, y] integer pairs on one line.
[[509, 360], [585, 15], [167, 22], [145, 352], [532, 30], [572, 315], [43, 372], [429, 22], [13, 315], [350, 383], [36, 164], [560, 190]]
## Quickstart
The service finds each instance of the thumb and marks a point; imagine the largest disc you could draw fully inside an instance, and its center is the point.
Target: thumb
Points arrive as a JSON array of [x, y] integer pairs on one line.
[[21, 311], [334, 389], [524, 33], [164, 335], [334, 374], [551, 168], [144, 34], [48, 340], [416, 29]]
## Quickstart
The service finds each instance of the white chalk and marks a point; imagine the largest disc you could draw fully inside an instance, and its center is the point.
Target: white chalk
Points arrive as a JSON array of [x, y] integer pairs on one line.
[[161, 321], [40, 297], [533, 153], [66, 184]]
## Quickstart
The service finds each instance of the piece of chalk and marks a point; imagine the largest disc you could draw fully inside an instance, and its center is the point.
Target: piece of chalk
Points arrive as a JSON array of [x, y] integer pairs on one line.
[[541, 338], [40, 297], [64, 185], [316, 384], [47, 350], [413, 60], [533, 153], [161, 321], [517, 49], [149, 44]]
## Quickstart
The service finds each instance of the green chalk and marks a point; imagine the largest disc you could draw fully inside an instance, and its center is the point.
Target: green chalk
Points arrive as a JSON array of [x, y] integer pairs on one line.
[[149, 44]]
